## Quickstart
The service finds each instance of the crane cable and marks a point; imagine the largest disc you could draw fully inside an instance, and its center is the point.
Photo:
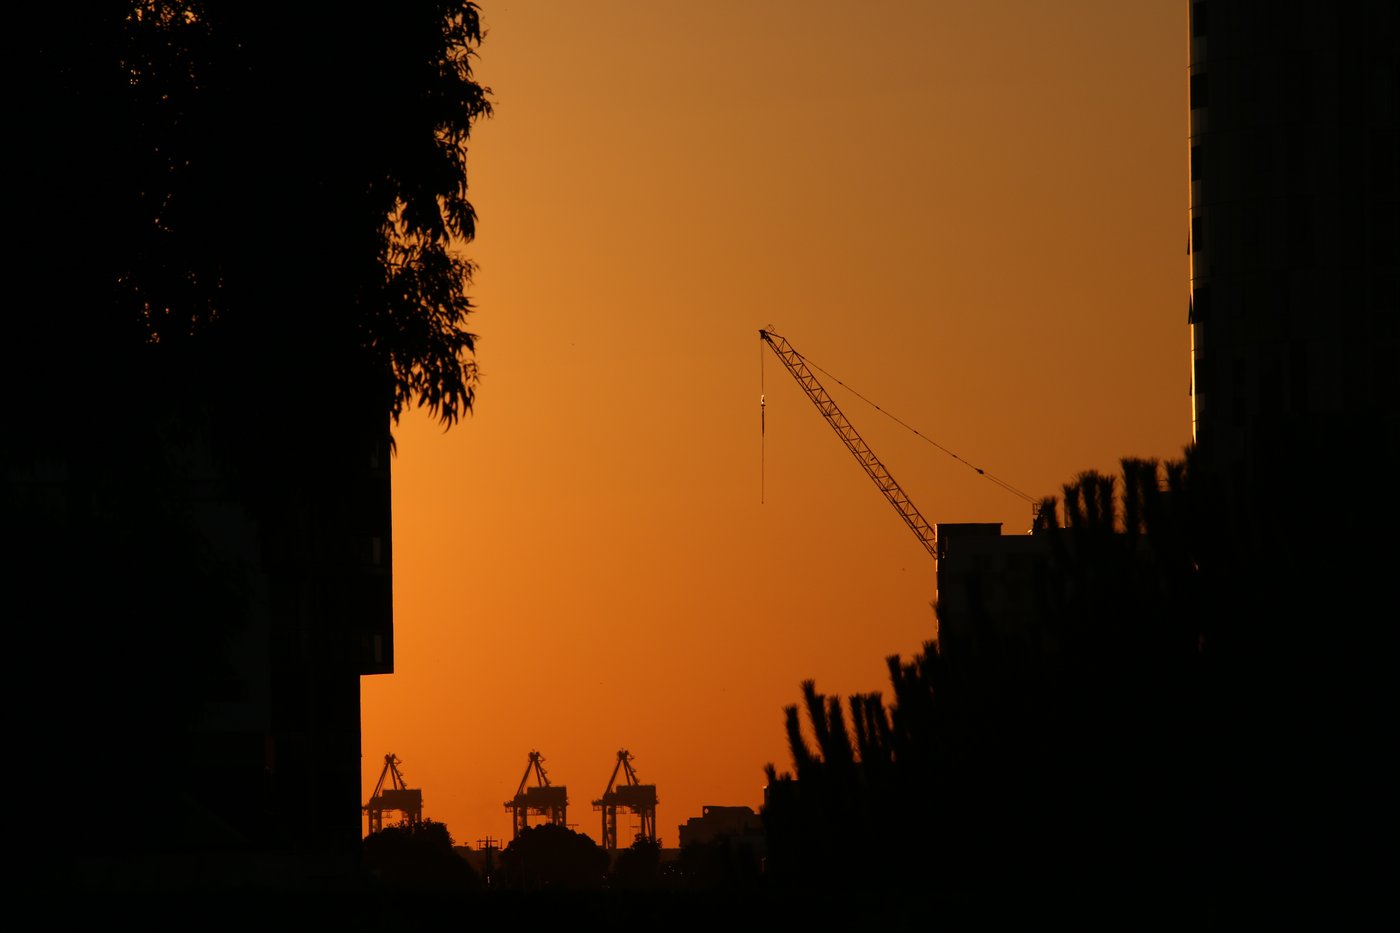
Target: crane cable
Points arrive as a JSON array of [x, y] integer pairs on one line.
[[981, 472], [762, 426]]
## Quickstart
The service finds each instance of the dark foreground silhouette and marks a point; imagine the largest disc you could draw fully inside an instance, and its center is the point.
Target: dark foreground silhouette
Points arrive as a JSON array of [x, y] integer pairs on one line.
[[241, 261], [234, 267]]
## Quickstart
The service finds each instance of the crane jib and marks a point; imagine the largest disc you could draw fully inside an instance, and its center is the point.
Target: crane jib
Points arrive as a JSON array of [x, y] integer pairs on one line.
[[794, 363]]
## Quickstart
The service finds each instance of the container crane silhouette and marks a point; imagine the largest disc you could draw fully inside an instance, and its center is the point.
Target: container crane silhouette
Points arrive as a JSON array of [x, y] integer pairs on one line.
[[630, 795], [397, 796], [542, 799]]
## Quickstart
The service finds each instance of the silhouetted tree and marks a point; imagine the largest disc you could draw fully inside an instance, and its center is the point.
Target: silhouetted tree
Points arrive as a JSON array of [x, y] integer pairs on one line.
[[417, 858], [638, 866], [278, 190], [995, 768], [1124, 603], [240, 227], [549, 857]]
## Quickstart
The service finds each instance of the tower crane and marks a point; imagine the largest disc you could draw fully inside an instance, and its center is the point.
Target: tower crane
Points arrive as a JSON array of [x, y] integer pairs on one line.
[[794, 363], [632, 795]]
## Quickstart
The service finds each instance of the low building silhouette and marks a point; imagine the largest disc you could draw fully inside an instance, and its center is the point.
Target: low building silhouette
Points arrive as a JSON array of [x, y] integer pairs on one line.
[[715, 822], [987, 588]]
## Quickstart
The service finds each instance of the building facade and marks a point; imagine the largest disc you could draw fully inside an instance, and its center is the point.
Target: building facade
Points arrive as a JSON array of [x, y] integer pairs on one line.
[[1294, 241], [1294, 234]]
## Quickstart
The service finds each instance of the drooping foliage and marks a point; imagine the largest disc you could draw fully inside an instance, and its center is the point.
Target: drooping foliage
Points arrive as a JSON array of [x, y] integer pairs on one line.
[[277, 191]]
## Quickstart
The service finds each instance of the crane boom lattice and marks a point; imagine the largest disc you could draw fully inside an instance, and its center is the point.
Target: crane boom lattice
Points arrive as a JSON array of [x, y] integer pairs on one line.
[[794, 363]]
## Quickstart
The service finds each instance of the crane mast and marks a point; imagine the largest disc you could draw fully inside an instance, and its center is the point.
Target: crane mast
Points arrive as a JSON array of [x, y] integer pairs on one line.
[[794, 363]]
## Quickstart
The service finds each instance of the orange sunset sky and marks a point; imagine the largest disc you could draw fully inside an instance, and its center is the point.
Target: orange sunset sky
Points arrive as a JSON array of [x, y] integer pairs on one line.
[[973, 212]]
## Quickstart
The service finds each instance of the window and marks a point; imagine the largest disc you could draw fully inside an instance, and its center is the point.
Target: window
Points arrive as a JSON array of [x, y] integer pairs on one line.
[[1298, 364], [1203, 374], [1198, 233], [1195, 163], [1385, 161], [1385, 234], [1385, 299], [1300, 235], [1239, 406], [1296, 84], [1200, 304], [1200, 19], [1199, 96]]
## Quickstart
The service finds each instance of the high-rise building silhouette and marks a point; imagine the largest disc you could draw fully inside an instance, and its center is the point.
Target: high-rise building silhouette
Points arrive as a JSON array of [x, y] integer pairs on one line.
[[1294, 237]]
